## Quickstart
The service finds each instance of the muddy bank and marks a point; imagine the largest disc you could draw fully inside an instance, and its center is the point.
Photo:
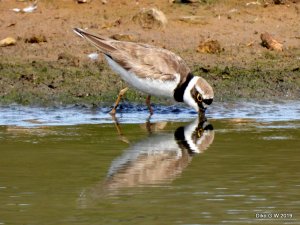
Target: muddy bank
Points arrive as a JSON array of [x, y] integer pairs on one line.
[[93, 83], [48, 64]]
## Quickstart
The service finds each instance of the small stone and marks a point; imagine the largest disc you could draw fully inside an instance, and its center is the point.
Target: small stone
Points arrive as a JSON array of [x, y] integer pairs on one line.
[[7, 42], [93, 56], [279, 2], [36, 39], [270, 43], [211, 46], [83, 1], [150, 18], [123, 37], [194, 20]]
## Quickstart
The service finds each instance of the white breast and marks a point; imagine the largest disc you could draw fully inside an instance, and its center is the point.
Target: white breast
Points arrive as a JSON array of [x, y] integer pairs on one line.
[[147, 85]]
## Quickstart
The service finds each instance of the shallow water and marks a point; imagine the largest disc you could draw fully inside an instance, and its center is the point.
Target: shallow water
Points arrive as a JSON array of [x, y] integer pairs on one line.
[[75, 166], [131, 113]]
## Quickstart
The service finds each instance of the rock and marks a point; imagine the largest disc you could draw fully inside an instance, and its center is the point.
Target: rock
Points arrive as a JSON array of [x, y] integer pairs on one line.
[[7, 42], [253, 3], [108, 25], [11, 25], [194, 19], [211, 46], [36, 39], [123, 37], [270, 43], [279, 2], [16, 10], [150, 18], [31, 8], [93, 56], [83, 1]]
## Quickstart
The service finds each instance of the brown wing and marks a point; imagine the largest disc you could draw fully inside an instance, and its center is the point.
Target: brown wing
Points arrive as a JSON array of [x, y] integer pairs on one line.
[[145, 61], [148, 61], [101, 43]]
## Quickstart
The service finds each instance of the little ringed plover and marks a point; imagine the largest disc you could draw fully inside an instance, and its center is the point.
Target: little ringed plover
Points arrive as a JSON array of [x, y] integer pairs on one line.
[[152, 70]]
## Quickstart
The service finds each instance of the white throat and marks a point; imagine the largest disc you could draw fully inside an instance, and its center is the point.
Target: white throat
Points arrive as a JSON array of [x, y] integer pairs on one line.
[[187, 97], [202, 143], [188, 132]]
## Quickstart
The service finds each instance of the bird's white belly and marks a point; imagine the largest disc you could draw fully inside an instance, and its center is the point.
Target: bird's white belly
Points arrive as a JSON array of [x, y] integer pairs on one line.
[[147, 85]]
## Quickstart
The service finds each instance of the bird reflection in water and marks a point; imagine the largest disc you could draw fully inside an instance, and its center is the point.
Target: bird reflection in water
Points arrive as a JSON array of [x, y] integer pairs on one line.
[[156, 160], [159, 158]]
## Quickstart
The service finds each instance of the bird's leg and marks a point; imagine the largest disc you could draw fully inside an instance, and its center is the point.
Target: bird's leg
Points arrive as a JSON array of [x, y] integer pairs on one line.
[[148, 125], [148, 103], [121, 93], [117, 125]]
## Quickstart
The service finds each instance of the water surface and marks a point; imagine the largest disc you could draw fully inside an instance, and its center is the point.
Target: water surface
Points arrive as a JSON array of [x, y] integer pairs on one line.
[[135, 113], [73, 166]]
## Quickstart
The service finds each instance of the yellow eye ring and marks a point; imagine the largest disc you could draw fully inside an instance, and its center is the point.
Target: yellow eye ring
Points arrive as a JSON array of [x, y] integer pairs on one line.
[[199, 97], [200, 132]]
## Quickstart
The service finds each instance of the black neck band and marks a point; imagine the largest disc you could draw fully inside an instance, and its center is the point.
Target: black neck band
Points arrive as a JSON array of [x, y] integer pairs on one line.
[[179, 90], [181, 141]]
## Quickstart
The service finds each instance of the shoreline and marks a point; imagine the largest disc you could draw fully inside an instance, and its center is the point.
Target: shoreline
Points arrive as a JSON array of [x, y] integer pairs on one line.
[[93, 83]]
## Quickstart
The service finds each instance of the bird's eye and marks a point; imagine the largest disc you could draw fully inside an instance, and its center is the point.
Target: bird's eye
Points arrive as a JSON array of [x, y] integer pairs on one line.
[[200, 132], [199, 97]]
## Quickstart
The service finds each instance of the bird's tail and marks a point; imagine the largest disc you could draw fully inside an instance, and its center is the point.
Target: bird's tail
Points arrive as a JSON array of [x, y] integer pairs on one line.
[[102, 43]]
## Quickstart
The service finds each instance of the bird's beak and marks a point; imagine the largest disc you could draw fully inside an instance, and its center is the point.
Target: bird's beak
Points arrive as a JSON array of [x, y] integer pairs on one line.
[[201, 114], [202, 109]]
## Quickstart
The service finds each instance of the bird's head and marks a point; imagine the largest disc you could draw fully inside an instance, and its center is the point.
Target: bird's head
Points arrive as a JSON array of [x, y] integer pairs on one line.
[[195, 137], [198, 94]]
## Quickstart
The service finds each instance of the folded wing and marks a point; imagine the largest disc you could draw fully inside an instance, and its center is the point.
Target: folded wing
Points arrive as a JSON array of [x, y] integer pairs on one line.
[[145, 61]]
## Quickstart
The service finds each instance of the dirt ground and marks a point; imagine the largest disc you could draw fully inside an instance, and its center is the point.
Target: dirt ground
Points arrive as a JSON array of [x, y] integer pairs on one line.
[[49, 63]]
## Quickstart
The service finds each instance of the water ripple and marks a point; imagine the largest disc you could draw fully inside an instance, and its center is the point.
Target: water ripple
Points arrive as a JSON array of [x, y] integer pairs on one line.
[[138, 113]]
